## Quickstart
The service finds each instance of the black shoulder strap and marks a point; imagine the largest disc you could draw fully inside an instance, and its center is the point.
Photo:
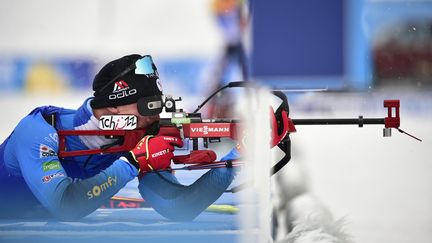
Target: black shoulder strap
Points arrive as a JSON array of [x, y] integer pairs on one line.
[[51, 119]]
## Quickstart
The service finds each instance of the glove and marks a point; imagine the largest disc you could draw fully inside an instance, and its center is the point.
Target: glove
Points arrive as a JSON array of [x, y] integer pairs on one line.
[[153, 153], [196, 156]]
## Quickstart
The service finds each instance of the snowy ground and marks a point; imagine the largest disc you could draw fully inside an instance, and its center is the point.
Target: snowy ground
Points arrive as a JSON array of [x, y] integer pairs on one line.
[[381, 185]]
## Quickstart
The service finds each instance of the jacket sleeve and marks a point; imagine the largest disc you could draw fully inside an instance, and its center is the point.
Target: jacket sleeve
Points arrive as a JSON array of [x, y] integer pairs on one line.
[[36, 151], [184, 203]]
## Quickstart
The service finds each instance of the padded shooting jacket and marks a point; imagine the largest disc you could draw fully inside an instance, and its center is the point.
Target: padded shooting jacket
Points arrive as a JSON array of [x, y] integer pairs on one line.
[[34, 182]]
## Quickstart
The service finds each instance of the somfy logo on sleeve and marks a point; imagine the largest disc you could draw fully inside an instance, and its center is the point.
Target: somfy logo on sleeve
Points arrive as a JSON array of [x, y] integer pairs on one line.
[[98, 189]]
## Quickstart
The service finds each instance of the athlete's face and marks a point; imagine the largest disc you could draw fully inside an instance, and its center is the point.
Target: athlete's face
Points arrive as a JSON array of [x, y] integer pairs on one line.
[[132, 109]]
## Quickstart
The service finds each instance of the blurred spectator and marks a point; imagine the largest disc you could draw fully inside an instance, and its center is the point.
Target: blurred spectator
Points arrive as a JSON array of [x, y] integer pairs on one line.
[[404, 53], [232, 18]]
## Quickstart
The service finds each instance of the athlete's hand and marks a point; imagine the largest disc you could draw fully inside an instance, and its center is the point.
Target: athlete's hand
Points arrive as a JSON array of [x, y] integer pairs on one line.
[[154, 153]]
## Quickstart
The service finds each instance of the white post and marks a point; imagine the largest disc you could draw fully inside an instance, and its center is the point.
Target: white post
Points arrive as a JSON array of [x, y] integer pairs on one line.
[[255, 214]]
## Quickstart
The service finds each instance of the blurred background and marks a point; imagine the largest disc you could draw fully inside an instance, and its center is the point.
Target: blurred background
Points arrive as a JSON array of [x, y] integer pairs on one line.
[[361, 52]]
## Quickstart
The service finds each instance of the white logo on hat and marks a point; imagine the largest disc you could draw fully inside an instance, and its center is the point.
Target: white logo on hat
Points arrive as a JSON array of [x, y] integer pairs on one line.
[[159, 84]]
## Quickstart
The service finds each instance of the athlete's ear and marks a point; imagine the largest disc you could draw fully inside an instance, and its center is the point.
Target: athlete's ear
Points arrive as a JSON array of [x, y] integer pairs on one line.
[[113, 110]]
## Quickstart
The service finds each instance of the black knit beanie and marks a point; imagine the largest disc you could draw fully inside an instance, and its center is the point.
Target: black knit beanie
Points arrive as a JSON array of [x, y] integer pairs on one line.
[[127, 88]]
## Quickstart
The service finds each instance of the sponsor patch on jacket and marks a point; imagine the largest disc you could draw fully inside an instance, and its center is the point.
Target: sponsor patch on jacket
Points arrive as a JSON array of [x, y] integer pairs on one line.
[[98, 189], [51, 165], [48, 178], [46, 151]]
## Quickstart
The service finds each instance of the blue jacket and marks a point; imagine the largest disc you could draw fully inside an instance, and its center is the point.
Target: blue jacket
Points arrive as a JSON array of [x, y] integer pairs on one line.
[[34, 182]]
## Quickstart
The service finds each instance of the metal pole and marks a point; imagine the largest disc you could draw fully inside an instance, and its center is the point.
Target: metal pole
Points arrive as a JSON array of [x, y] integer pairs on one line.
[[339, 121]]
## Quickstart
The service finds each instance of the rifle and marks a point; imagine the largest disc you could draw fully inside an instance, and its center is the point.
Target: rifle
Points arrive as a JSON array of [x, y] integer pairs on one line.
[[192, 126]]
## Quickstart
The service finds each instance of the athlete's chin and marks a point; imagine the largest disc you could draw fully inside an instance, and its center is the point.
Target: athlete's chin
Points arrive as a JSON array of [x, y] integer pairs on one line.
[[151, 128], [143, 126]]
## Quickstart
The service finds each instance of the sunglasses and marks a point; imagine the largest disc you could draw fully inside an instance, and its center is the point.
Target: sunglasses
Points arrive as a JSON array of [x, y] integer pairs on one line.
[[153, 105]]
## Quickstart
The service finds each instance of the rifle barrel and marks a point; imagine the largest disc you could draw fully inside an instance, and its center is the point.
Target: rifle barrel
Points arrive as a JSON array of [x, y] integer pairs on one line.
[[339, 121]]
